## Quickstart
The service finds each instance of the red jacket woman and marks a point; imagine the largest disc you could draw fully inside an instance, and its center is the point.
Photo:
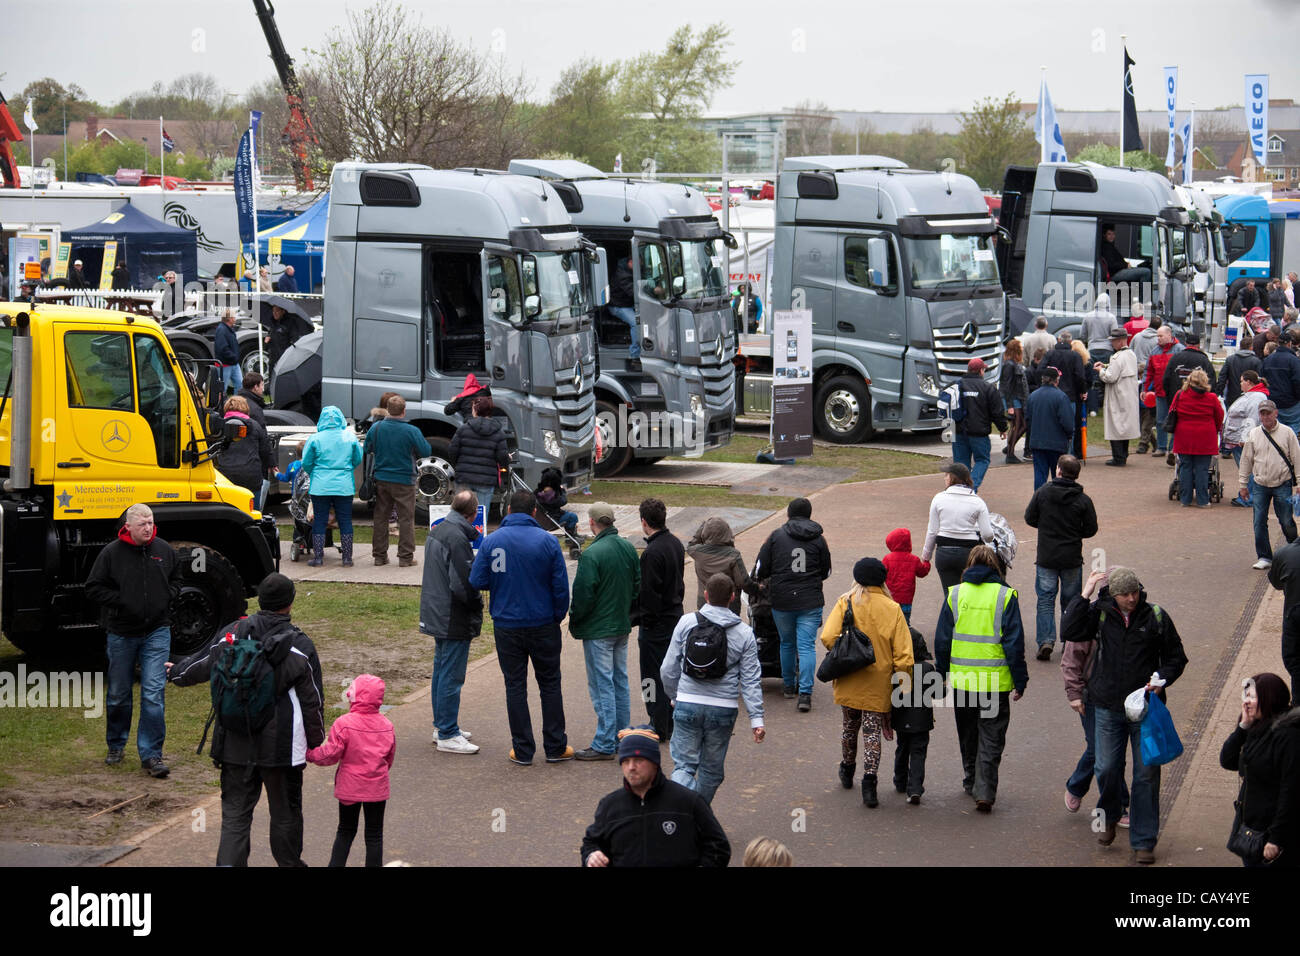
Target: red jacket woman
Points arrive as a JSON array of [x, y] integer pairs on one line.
[[1200, 417]]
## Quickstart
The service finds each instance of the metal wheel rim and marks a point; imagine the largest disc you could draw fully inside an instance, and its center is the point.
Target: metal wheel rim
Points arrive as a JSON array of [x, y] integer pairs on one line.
[[842, 410], [435, 482]]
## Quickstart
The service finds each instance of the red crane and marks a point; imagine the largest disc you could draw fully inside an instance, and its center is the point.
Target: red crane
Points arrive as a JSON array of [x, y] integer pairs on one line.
[[9, 133], [298, 133]]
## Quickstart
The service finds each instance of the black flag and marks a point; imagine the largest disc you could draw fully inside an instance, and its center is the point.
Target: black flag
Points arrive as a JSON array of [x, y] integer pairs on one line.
[[1132, 134]]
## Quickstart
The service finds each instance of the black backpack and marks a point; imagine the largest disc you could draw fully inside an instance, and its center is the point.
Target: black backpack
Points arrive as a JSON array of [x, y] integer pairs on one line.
[[243, 686], [705, 656]]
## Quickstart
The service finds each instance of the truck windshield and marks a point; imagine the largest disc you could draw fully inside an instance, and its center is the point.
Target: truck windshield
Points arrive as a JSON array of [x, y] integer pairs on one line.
[[702, 267], [949, 260], [558, 281]]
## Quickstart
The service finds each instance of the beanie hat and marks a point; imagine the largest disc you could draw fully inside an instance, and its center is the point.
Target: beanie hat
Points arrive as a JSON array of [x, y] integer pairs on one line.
[[275, 593], [869, 572], [1123, 581], [639, 741]]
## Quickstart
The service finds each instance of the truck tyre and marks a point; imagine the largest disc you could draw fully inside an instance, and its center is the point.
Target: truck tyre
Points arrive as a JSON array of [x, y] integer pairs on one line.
[[212, 594], [248, 361], [842, 410], [281, 416], [433, 486], [616, 457], [190, 354]]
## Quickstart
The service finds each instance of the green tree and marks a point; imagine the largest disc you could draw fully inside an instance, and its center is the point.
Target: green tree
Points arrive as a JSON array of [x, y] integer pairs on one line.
[[994, 135], [1109, 156], [49, 101], [585, 107]]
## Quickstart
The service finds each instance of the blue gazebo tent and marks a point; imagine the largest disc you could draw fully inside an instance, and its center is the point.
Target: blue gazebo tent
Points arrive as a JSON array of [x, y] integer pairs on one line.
[[148, 247], [302, 245]]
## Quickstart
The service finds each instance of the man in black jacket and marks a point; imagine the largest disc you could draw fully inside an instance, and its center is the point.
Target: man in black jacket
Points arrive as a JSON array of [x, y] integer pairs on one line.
[[795, 560], [134, 580], [1064, 516], [1228, 386], [658, 608], [276, 754], [1137, 643], [651, 821], [1074, 381], [1282, 369], [982, 403], [1181, 365], [253, 391]]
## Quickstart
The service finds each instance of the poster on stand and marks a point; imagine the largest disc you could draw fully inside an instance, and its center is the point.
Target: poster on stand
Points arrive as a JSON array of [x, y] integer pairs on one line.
[[792, 418]]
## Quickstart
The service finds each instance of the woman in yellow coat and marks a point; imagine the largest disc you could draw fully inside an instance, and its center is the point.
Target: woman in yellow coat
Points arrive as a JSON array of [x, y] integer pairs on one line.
[[864, 695]]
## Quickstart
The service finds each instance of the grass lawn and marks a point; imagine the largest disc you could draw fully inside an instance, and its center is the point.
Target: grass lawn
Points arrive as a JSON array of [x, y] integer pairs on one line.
[[53, 777]]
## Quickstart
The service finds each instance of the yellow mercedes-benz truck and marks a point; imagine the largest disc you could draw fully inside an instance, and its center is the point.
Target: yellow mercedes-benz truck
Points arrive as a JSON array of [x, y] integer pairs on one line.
[[97, 415]]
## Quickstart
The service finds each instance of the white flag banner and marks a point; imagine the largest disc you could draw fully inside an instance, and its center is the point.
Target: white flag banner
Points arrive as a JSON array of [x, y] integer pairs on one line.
[[1047, 131], [1257, 115], [28, 119], [1188, 156], [1171, 100], [618, 163]]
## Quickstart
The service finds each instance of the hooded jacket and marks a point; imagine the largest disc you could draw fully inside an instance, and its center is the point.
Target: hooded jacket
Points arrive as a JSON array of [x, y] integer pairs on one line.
[[1243, 414], [659, 603], [298, 723], [256, 407], [902, 567], [744, 676], [362, 742], [1049, 419], [918, 691], [1268, 760], [450, 607], [881, 619], [1200, 419], [605, 585], [246, 461], [134, 585], [476, 451], [713, 549], [797, 559], [523, 568], [670, 826], [1128, 651], [1228, 384], [1064, 516], [1013, 632], [331, 456]]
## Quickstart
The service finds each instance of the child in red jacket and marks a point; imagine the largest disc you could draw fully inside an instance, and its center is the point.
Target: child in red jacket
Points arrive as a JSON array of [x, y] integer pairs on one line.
[[902, 569], [363, 744]]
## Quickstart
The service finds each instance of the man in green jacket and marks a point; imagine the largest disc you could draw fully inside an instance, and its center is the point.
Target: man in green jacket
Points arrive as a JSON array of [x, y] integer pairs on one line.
[[608, 579]]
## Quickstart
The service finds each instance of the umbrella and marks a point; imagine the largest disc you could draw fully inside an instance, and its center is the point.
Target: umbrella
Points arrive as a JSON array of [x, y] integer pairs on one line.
[[300, 322], [289, 305], [298, 375]]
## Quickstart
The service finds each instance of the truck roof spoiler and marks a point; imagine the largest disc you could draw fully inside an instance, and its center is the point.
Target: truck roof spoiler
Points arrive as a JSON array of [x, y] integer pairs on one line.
[[562, 169], [841, 163]]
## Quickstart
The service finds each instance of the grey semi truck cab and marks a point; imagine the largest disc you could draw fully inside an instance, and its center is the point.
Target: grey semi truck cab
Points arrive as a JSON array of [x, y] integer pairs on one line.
[[680, 400], [435, 275], [898, 268]]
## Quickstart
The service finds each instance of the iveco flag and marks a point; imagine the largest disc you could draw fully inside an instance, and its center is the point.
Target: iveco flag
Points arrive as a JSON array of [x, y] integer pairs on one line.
[[1257, 114], [1047, 131], [244, 189], [1188, 157], [1171, 98]]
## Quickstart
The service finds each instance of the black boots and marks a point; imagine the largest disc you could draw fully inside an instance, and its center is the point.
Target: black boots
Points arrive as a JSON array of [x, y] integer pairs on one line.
[[869, 790], [346, 542], [846, 775], [317, 551]]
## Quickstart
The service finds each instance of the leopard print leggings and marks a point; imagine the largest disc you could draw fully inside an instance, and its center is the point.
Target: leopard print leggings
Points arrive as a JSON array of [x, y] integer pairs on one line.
[[872, 728]]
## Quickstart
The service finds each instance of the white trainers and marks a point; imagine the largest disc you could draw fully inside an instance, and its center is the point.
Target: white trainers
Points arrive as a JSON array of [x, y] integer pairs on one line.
[[457, 745], [1263, 564], [464, 733]]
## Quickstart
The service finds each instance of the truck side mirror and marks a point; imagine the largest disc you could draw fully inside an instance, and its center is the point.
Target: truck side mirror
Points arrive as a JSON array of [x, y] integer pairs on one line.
[[532, 306], [600, 279], [877, 261], [679, 285], [214, 388], [730, 241]]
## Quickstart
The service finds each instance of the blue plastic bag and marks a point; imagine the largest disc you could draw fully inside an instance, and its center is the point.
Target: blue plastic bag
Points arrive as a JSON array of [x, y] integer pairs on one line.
[[1160, 743]]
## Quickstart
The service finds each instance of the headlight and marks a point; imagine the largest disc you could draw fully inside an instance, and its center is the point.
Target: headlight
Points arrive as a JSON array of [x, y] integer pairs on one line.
[[551, 443], [927, 383], [697, 405]]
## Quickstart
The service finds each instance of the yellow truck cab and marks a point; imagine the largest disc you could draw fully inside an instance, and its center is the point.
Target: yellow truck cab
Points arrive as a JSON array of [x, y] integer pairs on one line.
[[111, 420]]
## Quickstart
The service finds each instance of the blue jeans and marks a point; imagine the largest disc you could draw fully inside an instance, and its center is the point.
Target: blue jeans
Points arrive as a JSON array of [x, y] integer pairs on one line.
[[701, 736], [232, 376], [1044, 466], [1114, 734], [152, 651], [1194, 474], [1250, 479], [798, 629], [606, 659], [628, 315], [1081, 779], [320, 512], [907, 612], [1281, 498], [449, 661], [1162, 409], [1046, 583], [973, 452], [484, 496], [1290, 417]]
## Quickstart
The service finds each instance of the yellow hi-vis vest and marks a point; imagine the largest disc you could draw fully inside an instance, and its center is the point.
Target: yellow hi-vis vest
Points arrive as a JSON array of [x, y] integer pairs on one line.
[[978, 662]]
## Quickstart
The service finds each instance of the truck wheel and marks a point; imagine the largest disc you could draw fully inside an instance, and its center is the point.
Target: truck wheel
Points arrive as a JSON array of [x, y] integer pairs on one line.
[[190, 356], [212, 594], [842, 410], [249, 362], [434, 483], [616, 456]]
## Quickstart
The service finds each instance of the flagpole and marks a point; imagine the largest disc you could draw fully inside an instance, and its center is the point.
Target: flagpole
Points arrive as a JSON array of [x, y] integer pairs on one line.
[[162, 154], [1189, 167], [1042, 115], [1123, 93], [257, 252]]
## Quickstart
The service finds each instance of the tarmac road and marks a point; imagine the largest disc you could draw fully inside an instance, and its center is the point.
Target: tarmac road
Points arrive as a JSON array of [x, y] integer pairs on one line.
[[483, 810]]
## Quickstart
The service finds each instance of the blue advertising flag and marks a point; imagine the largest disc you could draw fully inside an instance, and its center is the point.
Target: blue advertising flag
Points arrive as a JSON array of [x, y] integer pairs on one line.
[[1188, 157], [1171, 98], [244, 189], [1045, 122], [1257, 115], [254, 120]]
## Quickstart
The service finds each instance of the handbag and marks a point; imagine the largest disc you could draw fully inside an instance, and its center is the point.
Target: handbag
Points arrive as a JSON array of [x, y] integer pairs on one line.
[[852, 651], [367, 490], [1159, 739], [1171, 420], [1246, 842]]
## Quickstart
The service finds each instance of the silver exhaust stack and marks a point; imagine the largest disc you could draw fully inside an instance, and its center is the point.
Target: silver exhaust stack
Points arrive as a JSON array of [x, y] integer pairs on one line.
[[20, 419]]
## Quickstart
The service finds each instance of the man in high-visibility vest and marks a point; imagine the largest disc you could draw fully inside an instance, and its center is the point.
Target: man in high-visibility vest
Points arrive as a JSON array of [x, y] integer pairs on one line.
[[979, 647]]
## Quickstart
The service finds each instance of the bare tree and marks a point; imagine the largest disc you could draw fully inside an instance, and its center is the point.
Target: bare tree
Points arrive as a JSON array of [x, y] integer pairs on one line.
[[808, 129]]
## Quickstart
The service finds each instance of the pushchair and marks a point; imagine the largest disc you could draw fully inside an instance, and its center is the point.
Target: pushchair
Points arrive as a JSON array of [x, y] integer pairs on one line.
[[1215, 484], [766, 633], [571, 541], [300, 511]]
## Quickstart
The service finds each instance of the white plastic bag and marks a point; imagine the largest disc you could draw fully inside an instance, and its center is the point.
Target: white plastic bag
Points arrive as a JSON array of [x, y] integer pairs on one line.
[[1135, 705]]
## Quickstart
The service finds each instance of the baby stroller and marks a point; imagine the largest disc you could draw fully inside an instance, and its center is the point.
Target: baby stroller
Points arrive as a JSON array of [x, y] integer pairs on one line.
[[300, 511], [1216, 486], [571, 540], [765, 631]]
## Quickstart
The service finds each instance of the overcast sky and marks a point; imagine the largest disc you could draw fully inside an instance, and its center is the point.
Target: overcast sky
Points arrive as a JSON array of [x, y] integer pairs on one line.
[[912, 56]]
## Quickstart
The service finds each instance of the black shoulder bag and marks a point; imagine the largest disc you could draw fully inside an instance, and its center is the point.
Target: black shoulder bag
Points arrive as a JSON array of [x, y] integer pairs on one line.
[[852, 652]]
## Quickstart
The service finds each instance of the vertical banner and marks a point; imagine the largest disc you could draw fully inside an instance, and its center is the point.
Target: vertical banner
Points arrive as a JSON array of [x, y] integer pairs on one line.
[[110, 262], [61, 256], [1047, 130], [1131, 132], [792, 419], [1189, 150], [1171, 98], [244, 189], [1257, 115]]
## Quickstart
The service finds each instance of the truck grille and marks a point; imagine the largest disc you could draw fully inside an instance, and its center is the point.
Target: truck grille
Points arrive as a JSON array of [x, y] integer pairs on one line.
[[577, 408], [719, 380], [953, 353]]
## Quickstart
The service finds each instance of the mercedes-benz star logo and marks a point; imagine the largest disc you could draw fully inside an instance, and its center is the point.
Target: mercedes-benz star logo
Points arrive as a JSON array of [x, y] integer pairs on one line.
[[970, 334], [115, 435]]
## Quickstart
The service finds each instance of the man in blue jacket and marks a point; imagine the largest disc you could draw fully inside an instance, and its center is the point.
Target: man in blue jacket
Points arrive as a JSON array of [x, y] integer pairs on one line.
[[226, 348], [523, 568], [1049, 421]]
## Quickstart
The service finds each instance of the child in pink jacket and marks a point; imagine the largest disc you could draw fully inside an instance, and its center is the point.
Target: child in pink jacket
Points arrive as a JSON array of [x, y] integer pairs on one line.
[[363, 744]]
